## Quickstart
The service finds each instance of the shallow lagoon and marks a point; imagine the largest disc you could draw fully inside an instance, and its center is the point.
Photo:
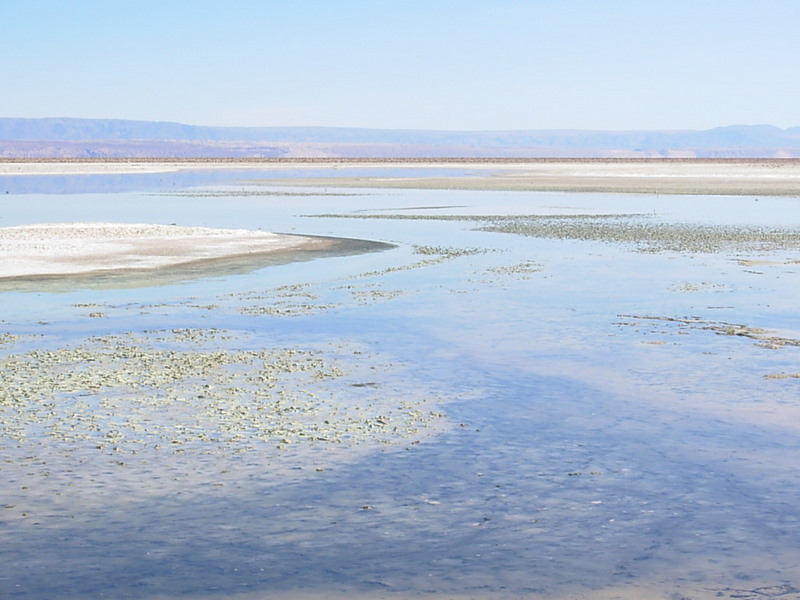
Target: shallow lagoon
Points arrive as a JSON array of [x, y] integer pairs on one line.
[[596, 422]]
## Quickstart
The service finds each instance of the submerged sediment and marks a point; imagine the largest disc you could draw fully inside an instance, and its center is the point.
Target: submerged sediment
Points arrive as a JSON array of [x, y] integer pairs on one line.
[[199, 391]]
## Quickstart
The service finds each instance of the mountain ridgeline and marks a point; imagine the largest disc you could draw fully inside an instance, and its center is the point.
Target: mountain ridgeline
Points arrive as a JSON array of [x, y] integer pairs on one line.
[[117, 138]]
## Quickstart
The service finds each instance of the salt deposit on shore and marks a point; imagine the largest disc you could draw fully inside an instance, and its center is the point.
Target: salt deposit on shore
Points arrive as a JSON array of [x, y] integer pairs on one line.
[[80, 248]]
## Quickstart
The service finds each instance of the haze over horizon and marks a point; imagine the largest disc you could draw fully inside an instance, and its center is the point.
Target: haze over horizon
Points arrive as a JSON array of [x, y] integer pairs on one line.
[[55, 120], [446, 65]]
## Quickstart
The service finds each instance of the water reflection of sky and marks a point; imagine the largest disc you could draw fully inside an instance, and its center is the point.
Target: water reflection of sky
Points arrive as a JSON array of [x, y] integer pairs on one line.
[[177, 180], [592, 453]]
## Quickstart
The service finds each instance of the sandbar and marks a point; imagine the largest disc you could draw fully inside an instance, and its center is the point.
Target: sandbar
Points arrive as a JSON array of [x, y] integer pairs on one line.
[[68, 249]]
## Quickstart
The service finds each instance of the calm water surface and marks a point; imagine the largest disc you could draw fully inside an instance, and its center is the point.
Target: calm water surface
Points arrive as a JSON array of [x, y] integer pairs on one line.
[[605, 435]]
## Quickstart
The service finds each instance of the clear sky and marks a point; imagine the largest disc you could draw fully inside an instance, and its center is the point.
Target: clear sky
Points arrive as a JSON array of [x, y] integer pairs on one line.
[[405, 64]]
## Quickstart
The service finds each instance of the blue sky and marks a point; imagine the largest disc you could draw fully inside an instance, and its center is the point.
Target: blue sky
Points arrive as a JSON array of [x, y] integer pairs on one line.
[[406, 64]]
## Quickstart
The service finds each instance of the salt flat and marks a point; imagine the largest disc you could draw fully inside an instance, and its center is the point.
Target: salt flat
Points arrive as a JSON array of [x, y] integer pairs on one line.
[[81, 248], [676, 176], [709, 177]]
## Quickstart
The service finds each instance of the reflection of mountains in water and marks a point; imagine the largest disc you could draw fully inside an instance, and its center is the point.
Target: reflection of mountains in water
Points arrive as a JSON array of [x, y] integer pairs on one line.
[[206, 268]]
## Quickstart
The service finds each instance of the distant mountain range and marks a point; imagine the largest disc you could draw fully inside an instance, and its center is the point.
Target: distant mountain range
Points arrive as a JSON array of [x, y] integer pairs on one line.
[[116, 138]]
